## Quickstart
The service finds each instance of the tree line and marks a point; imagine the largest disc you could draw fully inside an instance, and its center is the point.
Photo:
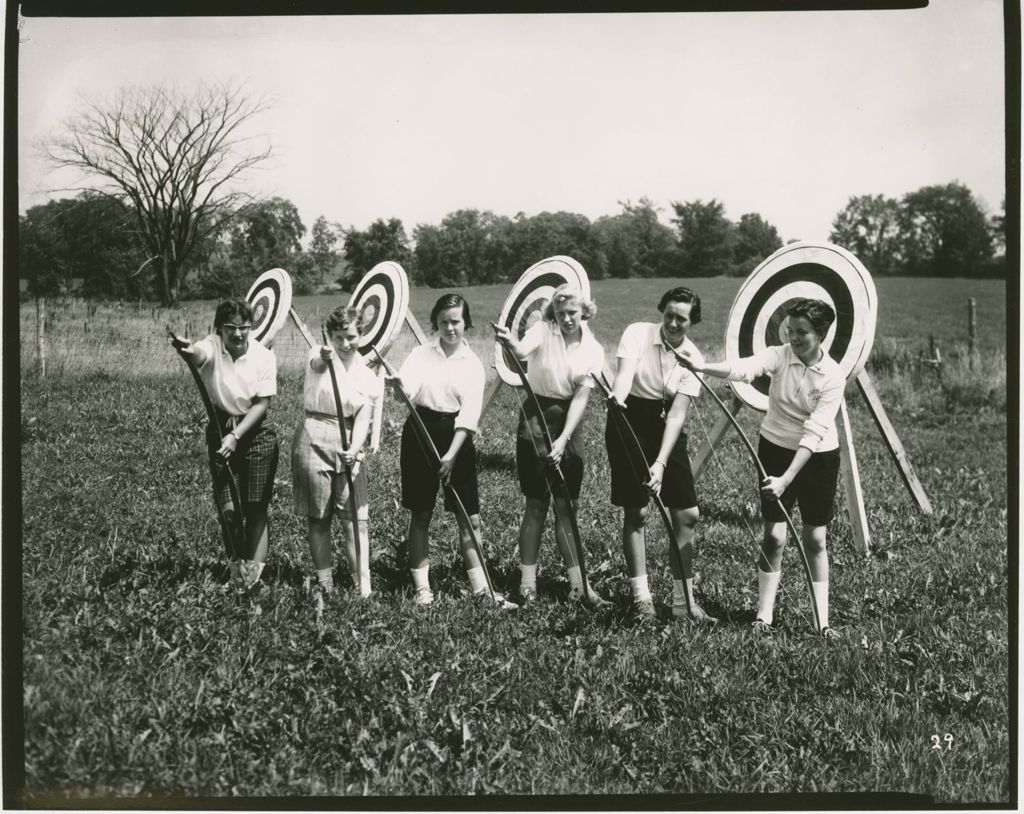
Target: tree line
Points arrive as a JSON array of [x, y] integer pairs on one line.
[[165, 215]]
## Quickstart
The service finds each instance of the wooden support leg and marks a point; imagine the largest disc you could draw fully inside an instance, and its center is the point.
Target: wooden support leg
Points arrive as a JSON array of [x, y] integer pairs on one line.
[[302, 327], [490, 394], [851, 482], [378, 412], [703, 455], [892, 441], [414, 326]]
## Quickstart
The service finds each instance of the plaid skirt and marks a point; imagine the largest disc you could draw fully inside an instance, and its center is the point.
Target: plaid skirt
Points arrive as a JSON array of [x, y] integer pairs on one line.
[[254, 463], [318, 475]]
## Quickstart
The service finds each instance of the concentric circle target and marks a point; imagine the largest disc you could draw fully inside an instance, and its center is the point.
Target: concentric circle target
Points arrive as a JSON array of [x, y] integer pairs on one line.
[[816, 270], [528, 297], [271, 300], [383, 297]]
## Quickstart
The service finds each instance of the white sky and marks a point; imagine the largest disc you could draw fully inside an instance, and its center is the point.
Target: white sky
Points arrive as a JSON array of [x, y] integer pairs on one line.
[[784, 114]]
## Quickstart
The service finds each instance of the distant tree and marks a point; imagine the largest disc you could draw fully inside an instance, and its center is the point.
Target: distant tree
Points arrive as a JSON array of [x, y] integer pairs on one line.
[[382, 240], [548, 234], [323, 239], [635, 243], [89, 238], [945, 232], [172, 158], [468, 247], [706, 238], [262, 235], [756, 239], [869, 227]]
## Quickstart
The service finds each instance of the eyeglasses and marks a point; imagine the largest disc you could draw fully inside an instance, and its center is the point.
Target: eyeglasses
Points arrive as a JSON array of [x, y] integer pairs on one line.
[[227, 326]]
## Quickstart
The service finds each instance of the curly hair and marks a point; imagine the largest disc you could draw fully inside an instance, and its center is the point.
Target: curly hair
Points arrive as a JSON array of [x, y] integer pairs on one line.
[[820, 314], [568, 292], [682, 294], [231, 309], [446, 301], [343, 316]]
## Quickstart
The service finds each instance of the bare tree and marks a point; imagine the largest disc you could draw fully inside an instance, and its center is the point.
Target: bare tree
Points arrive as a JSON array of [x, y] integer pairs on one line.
[[174, 158]]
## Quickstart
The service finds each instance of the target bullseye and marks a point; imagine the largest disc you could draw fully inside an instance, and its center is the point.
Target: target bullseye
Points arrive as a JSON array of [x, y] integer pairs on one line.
[[382, 297], [271, 298], [802, 270], [525, 303]]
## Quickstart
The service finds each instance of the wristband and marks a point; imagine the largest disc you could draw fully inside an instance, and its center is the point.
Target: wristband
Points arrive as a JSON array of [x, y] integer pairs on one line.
[[235, 435]]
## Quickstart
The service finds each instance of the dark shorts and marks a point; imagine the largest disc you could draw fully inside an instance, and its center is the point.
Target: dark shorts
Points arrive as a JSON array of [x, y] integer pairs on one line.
[[646, 416], [813, 489], [254, 463], [531, 468], [419, 473]]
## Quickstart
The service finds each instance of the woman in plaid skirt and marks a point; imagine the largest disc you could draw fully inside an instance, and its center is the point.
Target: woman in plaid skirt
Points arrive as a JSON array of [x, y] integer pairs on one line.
[[318, 460], [240, 376]]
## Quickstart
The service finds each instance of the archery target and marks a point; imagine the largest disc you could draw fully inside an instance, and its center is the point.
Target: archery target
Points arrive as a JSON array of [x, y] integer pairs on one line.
[[382, 296], [529, 296], [271, 300], [819, 271]]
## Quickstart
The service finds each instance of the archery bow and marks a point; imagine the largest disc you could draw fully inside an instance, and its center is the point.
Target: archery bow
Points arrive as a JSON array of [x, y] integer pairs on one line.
[[763, 477], [641, 470], [232, 530], [430, 450], [554, 471], [353, 505]]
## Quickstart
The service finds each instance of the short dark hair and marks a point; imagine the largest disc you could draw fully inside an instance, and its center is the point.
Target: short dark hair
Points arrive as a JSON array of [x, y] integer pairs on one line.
[[446, 301], [682, 294], [343, 316], [820, 314], [231, 309]]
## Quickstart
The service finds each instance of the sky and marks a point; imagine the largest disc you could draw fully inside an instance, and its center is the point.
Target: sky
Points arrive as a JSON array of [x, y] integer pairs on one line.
[[786, 114]]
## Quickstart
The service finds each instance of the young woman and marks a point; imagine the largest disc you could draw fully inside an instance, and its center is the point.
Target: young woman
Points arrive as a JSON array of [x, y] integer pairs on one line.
[[799, 447], [656, 391], [445, 381], [241, 377], [318, 460], [562, 357]]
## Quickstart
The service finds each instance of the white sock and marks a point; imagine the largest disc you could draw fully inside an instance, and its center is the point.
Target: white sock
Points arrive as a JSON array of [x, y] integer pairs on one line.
[[420, 578], [641, 591], [477, 580], [364, 577], [821, 601], [767, 585], [325, 576], [259, 571], [679, 592], [575, 577], [528, 576]]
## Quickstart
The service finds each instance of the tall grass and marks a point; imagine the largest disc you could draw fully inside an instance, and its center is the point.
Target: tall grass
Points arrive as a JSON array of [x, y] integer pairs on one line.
[[143, 680]]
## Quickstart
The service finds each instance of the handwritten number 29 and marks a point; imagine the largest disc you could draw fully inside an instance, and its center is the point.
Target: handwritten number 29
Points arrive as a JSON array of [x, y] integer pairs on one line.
[[937, 741]]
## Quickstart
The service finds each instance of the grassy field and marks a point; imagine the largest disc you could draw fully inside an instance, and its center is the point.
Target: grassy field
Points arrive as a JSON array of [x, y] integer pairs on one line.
[[142, 678]]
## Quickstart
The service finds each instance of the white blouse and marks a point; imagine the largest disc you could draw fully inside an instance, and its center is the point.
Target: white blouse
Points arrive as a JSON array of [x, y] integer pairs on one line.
[[357, 386], [658, 374], [447, 384], [234, 383], [554, 370]]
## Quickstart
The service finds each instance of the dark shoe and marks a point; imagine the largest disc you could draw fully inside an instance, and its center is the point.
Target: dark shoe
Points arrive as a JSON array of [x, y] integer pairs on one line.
[[527, 596], [695, 613], [593, 598]]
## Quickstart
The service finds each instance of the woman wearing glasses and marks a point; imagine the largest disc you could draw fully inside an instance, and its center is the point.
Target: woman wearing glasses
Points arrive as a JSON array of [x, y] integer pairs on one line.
[[241, 377]]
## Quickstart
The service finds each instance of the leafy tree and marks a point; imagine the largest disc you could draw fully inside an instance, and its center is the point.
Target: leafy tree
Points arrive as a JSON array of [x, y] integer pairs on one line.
[[88, 238], [173, 158], [869, 226], [706, 238], [262, 235], [635, 243], [469, 247], [945, 232], [382, 240], [756, 239], [323, 239], [548, 234]]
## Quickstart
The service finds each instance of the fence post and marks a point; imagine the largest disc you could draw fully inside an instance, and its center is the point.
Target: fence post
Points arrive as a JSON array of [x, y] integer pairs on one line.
[[972, 329], [41, 336]]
